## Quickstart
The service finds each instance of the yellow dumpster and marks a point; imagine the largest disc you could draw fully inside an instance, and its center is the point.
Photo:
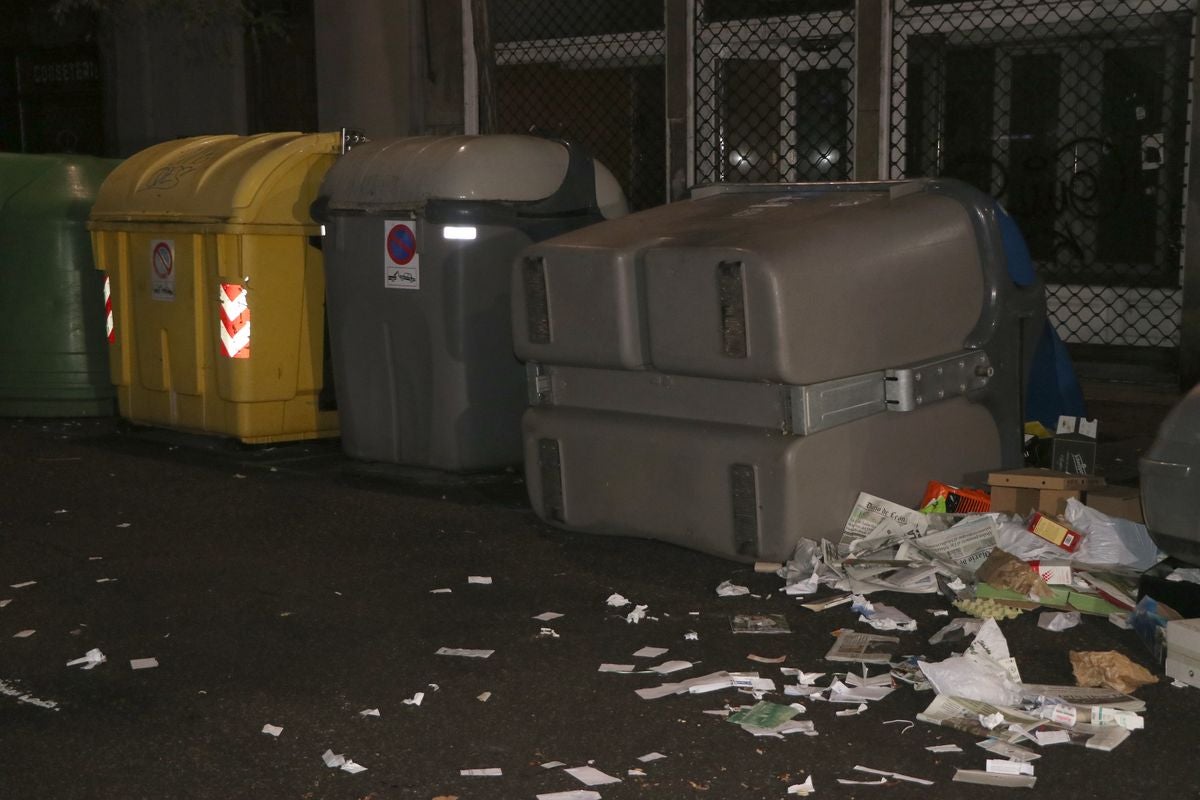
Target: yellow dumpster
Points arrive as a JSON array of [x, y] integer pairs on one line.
[[215, 292]]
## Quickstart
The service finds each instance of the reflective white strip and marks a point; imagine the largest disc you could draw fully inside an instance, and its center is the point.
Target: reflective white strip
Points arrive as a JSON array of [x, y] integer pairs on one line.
[[110, 332], [235, 320], [237, 342], [458, 232]]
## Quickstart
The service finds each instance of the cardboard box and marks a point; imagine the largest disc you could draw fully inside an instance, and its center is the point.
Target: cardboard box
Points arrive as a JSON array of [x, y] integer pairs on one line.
[[1117, 501], [1183, 651], [1019, 491], [1074, 448]]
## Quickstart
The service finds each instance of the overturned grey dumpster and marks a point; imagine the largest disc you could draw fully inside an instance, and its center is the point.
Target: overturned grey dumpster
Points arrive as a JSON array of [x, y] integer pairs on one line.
[[728, 373], [420, 237]]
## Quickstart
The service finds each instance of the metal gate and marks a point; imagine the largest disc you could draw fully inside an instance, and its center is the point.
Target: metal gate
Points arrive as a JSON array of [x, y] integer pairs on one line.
[[1074, 114]]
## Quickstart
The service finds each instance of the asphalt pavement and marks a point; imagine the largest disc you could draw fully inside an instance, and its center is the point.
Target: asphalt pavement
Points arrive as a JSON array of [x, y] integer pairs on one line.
[[292, 587]]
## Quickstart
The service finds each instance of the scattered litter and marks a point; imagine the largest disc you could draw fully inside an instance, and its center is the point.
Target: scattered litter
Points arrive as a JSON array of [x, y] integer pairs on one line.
[[848, 782], [993, 779], [285, 613], [729, 589], [956, 629], [802, 789], [1003, 570], [553, 764], [374, 712], [635, 773], [1013, 752], [25, 634], [1109, 668], [238, 475], [617, 668], [573, 794], [3, 603], [637, 615], [655, 756], [762, 717], [907, 723], [766, 659], [986, 608], [547, 616], [1045, 738], [999, 766], [1121, 620], [481, 580], [667, 667], [123, 524], [89, 660], [61, 511], [944, 748], [616, 601], [484, 772], [759, 623], [897, 775], [1058, 620], [484, 697], [143, 663], [650, 652], [938, 612], [829, 602], [548, 633], [1112, 716], [440, 591], [991, 721], [691, 636], [352, 767], [865, 647], [802, 678], [985, 672], [95, 558], [1189, 574], [464, 652], [712, 682], [22, 585], [272, 730], [852, 712], [590, 776], [884, 617], [333, 759], [106, 580]]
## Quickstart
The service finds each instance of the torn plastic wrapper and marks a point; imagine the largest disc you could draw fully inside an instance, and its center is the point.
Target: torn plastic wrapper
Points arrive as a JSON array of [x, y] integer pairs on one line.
[[986, 672]]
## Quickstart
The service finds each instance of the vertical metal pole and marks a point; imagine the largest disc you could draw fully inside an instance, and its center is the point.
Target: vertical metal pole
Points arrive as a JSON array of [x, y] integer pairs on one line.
[[868, 78], [1189, 329], [679, 65], [470, 72]]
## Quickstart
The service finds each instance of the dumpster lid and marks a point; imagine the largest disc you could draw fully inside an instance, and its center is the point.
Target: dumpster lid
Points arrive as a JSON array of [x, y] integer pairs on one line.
[[269, 178], [401, 173], [55, 184]]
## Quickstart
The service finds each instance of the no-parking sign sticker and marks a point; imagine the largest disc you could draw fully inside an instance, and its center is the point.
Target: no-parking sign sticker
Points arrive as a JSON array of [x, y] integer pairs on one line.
[[401, 261], [162, 269]]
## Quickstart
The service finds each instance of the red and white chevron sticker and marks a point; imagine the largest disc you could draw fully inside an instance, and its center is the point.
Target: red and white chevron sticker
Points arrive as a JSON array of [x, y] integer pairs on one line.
[[108, 317], [235, 321]]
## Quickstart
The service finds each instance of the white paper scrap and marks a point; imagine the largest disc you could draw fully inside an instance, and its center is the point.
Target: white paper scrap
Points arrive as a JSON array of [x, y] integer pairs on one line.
[[415, 700], [944, 748], [272, 730], [572, 794], [590, 776], [637, 615], [3, 603], [484, 772], [766, 659], [480, 580], [897, 775], [143, 663], [123, 524], [1052, 737], [548, 633], [852, 712], [802, 789], [22, 585], [730, 589], [650, 652], [440, 591], [333, 759], [89, 660], [1058, 620], [616, 601], [692, 636], [25, 634], [636, 773], [553, 765], [646, 759], [374, 712], [484, 697], [992, 779], [1002, 766], [991, 721], [106, 580], [547, 616], [626, 668], [667, 667], [464, 652], [352, 767]]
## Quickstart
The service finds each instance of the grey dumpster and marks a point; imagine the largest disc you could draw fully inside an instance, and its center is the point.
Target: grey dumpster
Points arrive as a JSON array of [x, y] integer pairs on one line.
[[728, 373], [1170, 481], [420, 237]]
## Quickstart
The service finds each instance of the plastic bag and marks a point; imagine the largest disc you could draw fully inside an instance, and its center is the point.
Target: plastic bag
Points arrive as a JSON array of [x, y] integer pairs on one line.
[[1111, 540]]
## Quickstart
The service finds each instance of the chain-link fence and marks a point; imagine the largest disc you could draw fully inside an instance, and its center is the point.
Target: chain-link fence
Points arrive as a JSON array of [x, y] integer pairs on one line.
[[774, 90], [1074, 115], [587, 71]]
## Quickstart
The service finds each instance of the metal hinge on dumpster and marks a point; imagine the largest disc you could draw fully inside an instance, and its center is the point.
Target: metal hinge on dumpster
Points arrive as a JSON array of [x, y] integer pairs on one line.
[[909, 388]]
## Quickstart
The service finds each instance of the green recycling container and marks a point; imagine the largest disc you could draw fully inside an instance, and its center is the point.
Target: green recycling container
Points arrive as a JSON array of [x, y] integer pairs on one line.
[[53, 343]]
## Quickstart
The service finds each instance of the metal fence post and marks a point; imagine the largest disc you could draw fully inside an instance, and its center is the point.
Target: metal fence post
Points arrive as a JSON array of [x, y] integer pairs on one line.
[[868, 82], [1189, 329], [678, 90]]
